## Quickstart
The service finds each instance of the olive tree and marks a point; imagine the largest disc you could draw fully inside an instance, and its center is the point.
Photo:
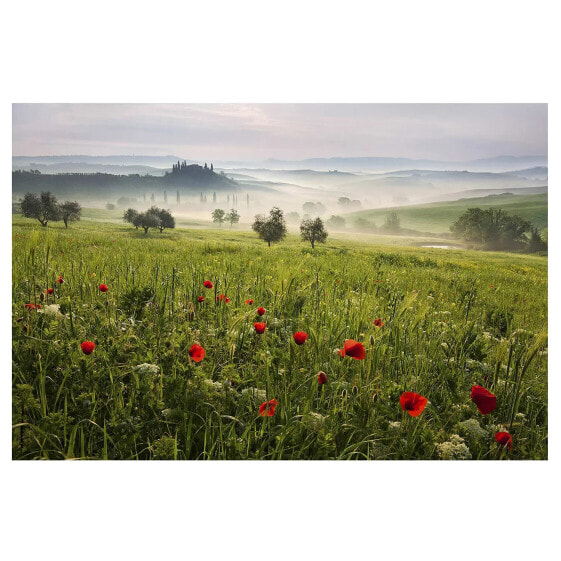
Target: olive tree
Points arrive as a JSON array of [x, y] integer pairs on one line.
[[44, 207], [271, 228], [232, 217], [70, 212], [312, 231], [130, 216], [218, 216]]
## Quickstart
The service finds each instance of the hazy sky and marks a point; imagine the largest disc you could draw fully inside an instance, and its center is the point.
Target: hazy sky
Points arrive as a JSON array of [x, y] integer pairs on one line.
[[284, 131]]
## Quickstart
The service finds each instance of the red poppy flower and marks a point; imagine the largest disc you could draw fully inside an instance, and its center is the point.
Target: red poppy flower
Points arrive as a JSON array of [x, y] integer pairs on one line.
[[249, 301], [201, 298], [486, 402], [268, 408], [413, 403], [32, 306], [504, 439], [322, 378], [260, 327], [60, 280], [223, 297], [207, 284], [87, 347], [197, 353], [261, 310], [49, 290], [300, 337], [353, 349], [378, 322], [103, 288]]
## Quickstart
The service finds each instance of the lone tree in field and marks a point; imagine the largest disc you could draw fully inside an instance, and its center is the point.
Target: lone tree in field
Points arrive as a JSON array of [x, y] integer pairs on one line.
[[232, 217], [218, 216], [130, 216], [312, 231], [271, 229], [70, 212], [44, 208]]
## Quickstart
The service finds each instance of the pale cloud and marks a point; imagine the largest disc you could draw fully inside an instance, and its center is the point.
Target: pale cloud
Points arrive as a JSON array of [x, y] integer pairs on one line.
[[286, 131]]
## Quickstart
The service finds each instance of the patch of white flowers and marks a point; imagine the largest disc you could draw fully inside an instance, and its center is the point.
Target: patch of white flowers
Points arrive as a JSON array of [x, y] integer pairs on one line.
[[454, 449], [146, 369], [52, 310], [473, 428]]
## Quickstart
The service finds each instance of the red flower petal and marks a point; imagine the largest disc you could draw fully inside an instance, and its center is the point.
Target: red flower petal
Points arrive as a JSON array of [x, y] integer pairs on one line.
[[197, 353], [87, 347], [354, 349], [378, 322], [486, 402], [207, 284], [249, 301], [504, 439], [413, 403], [103, 288], [260, 327], [260, 311], [268, 408], [300, 337], [201, 298], [322, 378]]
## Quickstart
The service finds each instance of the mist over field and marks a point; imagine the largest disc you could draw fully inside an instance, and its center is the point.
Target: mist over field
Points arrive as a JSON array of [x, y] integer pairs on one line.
[[121, 182]]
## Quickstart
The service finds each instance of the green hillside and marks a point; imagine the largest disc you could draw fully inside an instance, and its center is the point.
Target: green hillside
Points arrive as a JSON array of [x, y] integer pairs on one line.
[[437, 217]]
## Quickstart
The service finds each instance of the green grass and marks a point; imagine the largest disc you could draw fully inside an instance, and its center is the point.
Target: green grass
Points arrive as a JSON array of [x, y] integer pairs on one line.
[[437, 217], [452, 319]]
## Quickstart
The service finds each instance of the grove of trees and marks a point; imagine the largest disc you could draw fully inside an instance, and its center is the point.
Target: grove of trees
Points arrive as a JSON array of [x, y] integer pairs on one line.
[[45, 208], [154, 217], [494, 229]]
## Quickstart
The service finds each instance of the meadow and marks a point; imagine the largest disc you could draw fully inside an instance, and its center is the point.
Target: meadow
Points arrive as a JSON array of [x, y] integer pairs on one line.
[[448, 320], [437, 217]]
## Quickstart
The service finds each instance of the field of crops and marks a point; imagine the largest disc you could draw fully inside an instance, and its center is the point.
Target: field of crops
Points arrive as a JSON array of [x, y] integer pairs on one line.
[[448, 321]]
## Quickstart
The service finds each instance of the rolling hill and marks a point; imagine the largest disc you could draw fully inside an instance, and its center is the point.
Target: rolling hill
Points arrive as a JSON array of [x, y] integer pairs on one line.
[[437, 217]]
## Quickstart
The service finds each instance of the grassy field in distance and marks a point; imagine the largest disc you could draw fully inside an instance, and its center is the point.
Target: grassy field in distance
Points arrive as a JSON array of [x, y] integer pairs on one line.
[[437, 217]]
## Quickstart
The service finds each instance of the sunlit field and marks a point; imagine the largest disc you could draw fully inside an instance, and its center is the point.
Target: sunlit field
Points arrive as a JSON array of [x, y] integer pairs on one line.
[[431, 321]]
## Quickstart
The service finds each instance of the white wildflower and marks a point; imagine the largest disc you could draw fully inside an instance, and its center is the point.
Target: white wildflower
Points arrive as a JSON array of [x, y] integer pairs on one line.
[[454, 449], [473, 428], [216, 386], [395, 425], [146, 369], [52, 310]]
